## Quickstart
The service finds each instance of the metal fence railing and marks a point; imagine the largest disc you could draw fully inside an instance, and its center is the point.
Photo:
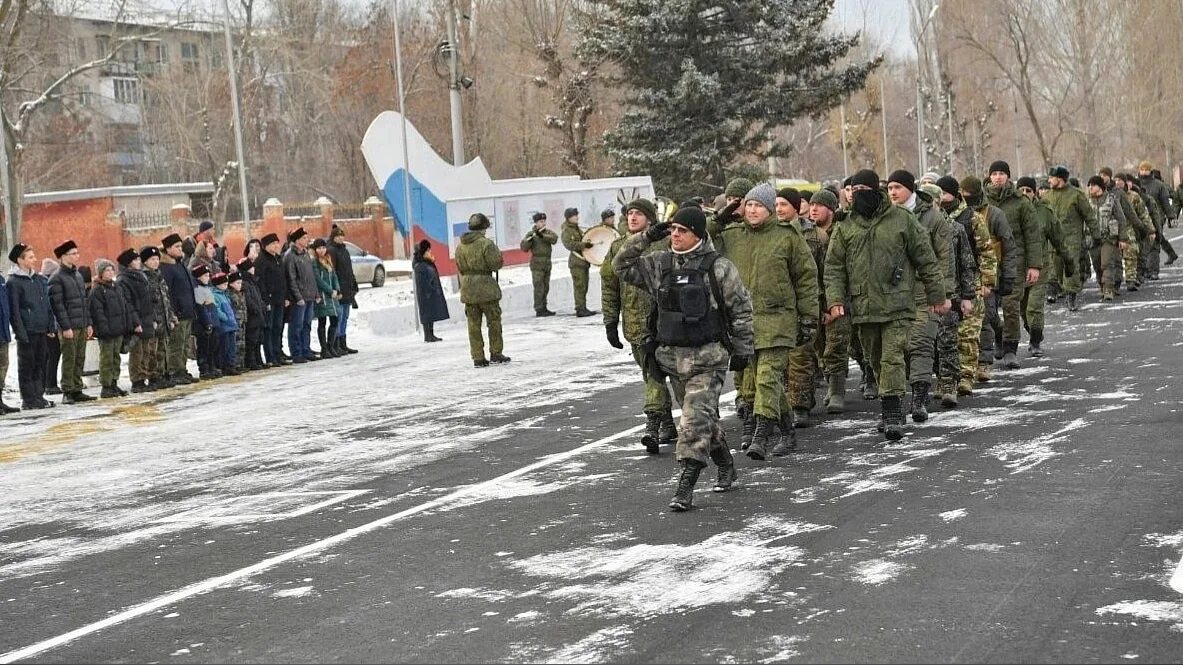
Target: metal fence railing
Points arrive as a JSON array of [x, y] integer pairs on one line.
[[140, 221]]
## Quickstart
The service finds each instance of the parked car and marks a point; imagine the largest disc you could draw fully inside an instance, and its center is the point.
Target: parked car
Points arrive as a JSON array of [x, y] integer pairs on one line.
[[367, 268]]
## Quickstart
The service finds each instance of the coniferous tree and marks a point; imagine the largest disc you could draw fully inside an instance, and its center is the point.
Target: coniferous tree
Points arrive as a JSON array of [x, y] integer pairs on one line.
[[708, 81]]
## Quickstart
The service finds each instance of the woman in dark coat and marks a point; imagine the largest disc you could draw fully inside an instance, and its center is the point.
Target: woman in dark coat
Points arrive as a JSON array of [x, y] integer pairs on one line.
[[429, 293]]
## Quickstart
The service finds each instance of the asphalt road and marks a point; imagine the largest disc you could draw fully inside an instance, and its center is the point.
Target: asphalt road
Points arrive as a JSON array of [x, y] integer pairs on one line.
[[1040, 522]]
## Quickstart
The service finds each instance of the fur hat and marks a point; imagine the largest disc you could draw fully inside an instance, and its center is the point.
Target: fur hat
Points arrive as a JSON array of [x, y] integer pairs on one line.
[[1059, 171], [17, 251], [336, 232], [219, 278], [269, 238], [170, 240], [200, 270], [607, 213], [127, 256], [569, 213], [245, 264], [1145, 165], [235, 276], [538, 216], [101, 266], [65, 248], [297, 234]]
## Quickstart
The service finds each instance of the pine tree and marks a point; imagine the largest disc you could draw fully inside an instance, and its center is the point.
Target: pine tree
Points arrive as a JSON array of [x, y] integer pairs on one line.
[[708, 81]]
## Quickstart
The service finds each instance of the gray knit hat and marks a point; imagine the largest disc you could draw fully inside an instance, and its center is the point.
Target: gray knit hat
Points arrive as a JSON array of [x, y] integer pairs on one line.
[[100, 265], [764, 194], [824, 197]]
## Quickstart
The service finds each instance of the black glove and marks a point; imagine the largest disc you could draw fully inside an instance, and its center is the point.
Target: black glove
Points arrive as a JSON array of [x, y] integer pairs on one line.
[[1005, 287], [727, 214], [657, 231], [1069, 266], [738, 363], [806, 329], [613, 335], [353, 305]]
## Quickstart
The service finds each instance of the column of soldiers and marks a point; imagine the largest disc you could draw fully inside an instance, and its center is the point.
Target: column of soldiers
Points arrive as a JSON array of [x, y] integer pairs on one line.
[[928, 285]]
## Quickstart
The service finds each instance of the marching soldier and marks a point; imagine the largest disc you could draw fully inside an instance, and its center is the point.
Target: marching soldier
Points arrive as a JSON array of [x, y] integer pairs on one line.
[[1078, 224], [1157, 191], [1108, 245], [725, 213], [1007, 251], [702, 326], [1139, 229], [632, 304], [1033, 300], [477, 258], [539, 242], [575, 244], [1020, 214]]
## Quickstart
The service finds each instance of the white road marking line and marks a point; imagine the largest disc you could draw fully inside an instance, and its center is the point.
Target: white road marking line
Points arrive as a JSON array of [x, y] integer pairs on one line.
[[1177, 578], [207, 585]]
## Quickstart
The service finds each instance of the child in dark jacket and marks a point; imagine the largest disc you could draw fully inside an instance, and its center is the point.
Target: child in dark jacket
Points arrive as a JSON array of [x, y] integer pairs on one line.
[[113, 318], [226, 326], [205, 325], [238, 301]]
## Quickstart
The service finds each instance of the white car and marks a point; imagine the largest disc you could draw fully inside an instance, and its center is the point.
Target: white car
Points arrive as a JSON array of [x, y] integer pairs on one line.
[[367, 268]]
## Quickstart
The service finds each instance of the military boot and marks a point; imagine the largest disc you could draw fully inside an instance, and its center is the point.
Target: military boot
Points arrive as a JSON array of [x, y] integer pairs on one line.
[[1108, 293], [965, 387], [1053, 293], [651, 437], [836, 395], [667, 432], [1010, 356], [893, 418], [788, 435], [749, 429], [920, 401], [801, 417], [871, 388], [5, 409], [761, 438], [947, 391], [684, 495], [1072, 306], [498, 358], [984, 373], [721, 456], [109, 392], [1033, 349]]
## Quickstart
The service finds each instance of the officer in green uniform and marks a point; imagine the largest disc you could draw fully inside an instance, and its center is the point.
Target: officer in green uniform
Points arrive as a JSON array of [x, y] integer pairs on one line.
[[875, 257], [539, 242], [632, 304], [573, 241], [778, 270], [477, 258]]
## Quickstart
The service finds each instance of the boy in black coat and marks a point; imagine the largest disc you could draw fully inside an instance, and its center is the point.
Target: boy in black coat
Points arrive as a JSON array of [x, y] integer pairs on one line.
[[113, 318]]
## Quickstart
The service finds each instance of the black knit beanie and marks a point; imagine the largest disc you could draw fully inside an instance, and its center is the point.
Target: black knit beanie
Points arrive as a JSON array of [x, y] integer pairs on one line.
[[692, 218], [1000, 166], [902, 177]]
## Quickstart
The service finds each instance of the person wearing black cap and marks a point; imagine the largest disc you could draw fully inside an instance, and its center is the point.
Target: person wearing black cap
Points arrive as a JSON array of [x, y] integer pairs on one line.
[[205, 326], [67, 292], [874, 259], [539, 243], [921, 356], [235, 290], [32, 324], [132, 283], [226, 325], [1078, 222], [273, 286], [256, 314], [1006, 248], [1107, 247], [608, 218], [114, 319], [776, 266], [477, 258], [159, 377], [1033, 300], [702, 325], [343, 266], [632, 304], [1020, 214], [575, 244], [302, 294], [181, 286]]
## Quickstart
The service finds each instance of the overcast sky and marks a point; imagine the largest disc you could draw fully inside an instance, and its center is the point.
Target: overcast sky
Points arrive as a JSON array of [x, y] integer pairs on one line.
[[884, 21]]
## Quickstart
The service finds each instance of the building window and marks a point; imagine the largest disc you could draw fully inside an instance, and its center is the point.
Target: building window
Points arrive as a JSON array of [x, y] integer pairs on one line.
[[189, 55], [80, 45], [104, 43], [127, 91], [161, 52]]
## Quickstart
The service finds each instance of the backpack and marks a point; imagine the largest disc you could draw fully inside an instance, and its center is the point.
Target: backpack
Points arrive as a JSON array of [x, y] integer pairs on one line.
[[682, 313]]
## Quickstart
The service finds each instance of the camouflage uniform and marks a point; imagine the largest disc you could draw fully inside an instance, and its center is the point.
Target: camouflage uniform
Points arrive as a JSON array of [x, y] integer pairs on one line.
[[1078, 224], [573, 241], [238, 300], [776, 266], [1034, 298], [969, 329], [477, 258], [923, 335], [1148, 250], [967, 283], [1006, 247], [860, 264], [632, 304], [697, 373], [1028, 235], [539, 244], [162, 302], [1137, 234], [803, 359], [1112, 224]]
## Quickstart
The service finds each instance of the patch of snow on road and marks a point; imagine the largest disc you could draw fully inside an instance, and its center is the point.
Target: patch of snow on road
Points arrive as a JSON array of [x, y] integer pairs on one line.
[[524, 617], [646, 580], [950, 515], [1111, 407], [1149, 610], [786, 649], [908, 545], [521, 487], [985, 547], [297, 592], [601, 646], [1163, 540], [1019, 456], [877, 571]]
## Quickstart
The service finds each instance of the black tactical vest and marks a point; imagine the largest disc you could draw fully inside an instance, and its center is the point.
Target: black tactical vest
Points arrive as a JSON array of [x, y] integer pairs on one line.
[[682, 313]]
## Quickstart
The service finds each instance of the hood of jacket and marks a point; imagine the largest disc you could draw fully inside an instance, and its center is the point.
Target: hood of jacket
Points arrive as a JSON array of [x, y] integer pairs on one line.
[[998, 195], [470, 237]]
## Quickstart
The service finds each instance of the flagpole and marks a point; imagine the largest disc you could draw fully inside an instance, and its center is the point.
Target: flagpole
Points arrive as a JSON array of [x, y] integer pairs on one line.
[[402, 111]]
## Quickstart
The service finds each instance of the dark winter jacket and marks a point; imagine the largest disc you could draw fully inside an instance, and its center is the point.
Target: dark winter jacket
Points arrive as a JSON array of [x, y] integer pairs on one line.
[[180, 288], [134, 286], [272, 280], [343, 265], [256, 309], [110, 313], [67, 292], [297, 267], [226, 321], [5, 317], [429, 293], [29, 307], [162, 308]]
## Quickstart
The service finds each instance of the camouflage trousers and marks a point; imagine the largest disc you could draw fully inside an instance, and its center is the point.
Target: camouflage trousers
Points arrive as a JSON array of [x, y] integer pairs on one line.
[[991, 329], [1012, 314], [240, 346], [1033, 305], [922, 345], [579, 279], [885, 346], [697, 376], [1130, 260], [541, 278], [491, 312], [178, 346], [764, 380], [830, 346], [141, 361], [1107, 263], [1147, 252], [109, 361], [1069, 284], [657, 398], [969, 340], [948, 360]]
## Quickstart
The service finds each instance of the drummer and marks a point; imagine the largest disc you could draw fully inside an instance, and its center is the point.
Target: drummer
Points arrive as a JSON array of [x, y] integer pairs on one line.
[[573, 240]]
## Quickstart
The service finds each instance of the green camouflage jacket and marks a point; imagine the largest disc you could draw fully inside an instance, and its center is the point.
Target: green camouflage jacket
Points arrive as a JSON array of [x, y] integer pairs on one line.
[[573, 241], [940, 234], [977, 230], [1053, 235], [1078, 220], [1020, 214], [621, 301], [777, 268], [477, 258], [539, 244], [864, 254]]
